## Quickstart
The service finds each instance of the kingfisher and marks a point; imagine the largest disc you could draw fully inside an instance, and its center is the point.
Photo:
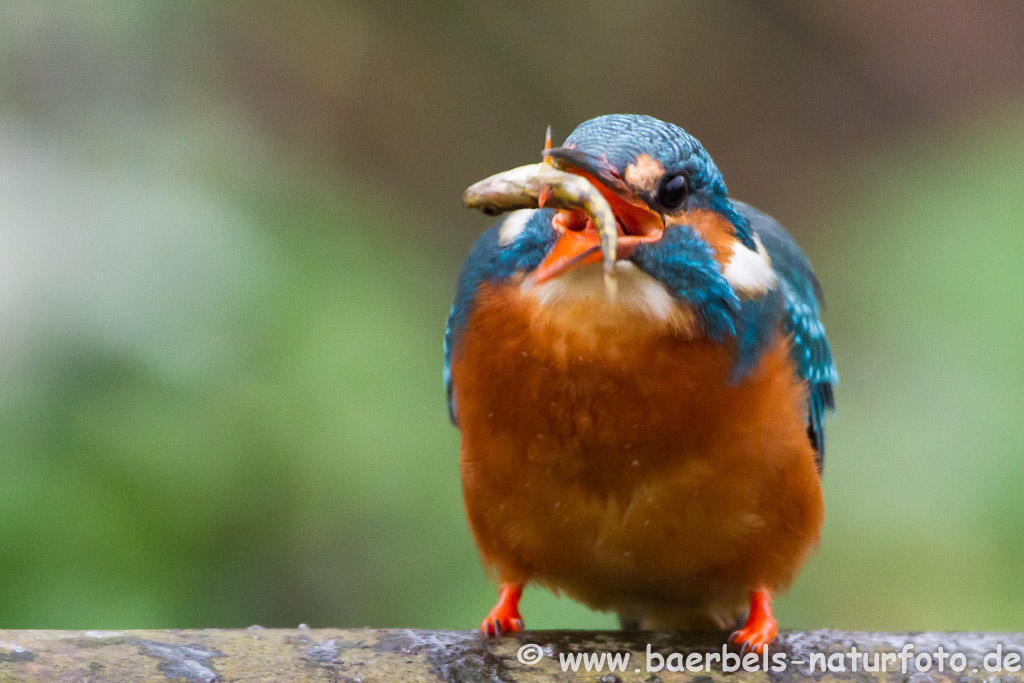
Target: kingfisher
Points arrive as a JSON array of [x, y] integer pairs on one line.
[[657, 454]]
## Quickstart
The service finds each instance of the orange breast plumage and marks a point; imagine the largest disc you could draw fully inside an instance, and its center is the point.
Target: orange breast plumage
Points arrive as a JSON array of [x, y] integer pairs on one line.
[[610, 453]]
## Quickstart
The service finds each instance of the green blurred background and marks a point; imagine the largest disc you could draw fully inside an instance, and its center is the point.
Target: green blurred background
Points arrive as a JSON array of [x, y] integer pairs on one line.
[[228, 239]]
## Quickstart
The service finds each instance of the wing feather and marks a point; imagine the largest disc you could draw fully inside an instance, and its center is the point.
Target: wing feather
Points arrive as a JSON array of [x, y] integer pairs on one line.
[[803, 304]]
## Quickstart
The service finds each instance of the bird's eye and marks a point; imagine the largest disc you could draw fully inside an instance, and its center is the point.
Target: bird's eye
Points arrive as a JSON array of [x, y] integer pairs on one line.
[[673, 191]]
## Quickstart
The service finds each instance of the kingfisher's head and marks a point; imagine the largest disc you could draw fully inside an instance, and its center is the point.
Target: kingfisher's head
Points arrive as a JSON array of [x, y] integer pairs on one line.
[[650, 171], [683, 245]]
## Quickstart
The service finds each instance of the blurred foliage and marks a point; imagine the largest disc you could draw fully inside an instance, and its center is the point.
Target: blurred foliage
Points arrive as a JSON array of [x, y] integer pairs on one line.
[[224, 290]]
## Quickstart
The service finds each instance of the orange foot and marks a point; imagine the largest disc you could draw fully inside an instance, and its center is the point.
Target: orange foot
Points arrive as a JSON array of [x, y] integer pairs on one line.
[[761, 627], [504, 617]]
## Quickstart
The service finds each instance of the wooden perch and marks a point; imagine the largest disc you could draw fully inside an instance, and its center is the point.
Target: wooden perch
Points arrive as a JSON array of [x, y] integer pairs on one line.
[[399, 655]]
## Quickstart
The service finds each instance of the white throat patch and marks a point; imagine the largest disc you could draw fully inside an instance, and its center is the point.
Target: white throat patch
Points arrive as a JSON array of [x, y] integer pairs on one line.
[[638, 292], [513, 225]]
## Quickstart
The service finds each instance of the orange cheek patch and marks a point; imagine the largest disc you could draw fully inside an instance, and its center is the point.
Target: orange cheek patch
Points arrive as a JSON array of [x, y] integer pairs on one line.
[[714, 229]]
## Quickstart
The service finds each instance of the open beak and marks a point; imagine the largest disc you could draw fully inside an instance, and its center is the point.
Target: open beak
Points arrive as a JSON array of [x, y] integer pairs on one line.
[[579, 242]]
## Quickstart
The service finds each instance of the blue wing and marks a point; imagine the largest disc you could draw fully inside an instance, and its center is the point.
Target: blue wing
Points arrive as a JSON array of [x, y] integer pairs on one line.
[[449, 388], [803, 301]]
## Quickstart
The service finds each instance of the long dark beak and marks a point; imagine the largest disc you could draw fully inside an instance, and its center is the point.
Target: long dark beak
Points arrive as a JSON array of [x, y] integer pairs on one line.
[[569, 159]]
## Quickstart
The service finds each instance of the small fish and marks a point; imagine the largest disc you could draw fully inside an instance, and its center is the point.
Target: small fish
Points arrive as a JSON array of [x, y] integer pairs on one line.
[[534, 185]]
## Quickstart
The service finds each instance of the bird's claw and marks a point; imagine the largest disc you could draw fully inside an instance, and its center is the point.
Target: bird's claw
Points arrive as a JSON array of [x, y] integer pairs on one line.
[[504, 617], [754, 637], [760, 628], [496, 625]]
